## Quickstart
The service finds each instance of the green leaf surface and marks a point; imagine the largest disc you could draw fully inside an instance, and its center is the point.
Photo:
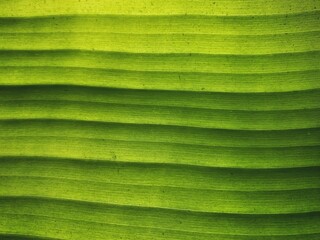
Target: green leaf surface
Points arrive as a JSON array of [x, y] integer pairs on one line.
[[160, 120]]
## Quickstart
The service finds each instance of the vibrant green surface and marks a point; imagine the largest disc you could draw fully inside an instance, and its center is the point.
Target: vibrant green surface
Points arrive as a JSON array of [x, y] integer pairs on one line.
[[19, 8], [183, 63], [199, 24], [156, 120]]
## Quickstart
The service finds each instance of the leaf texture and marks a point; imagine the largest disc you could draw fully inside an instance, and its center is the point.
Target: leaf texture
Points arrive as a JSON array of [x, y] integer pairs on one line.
[[158, 120]]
